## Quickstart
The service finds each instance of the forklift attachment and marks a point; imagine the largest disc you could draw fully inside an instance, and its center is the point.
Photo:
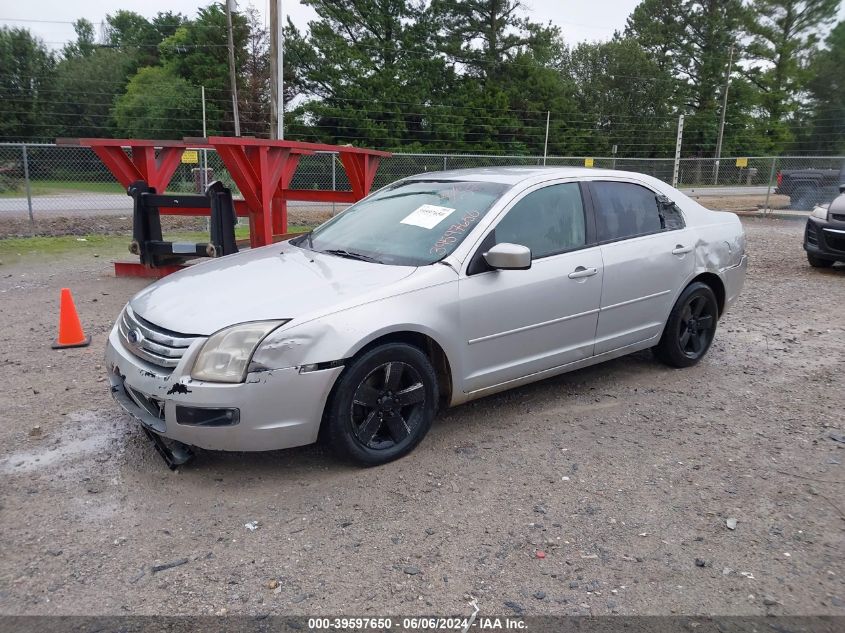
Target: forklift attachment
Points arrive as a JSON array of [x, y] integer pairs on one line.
[[147, 240]]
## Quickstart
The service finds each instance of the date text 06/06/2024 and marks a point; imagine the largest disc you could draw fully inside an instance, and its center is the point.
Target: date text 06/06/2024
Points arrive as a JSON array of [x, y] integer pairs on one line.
[[418, 623]]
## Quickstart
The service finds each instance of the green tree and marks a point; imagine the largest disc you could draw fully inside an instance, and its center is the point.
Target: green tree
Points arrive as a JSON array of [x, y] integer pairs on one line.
[[254, 97], [127, 28], [484, 35], [86, 88], [745, 130], [85, 42], [825, 129], [658, 26], [624, 98], [506, 76], [159, 104], [198, 53], [783, 34], [26, 72], [692, 39], [135, 34], [368, 65]]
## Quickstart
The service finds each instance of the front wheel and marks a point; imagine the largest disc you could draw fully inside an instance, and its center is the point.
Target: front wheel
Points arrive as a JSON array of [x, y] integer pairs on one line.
[[690, 328], [383, 405]]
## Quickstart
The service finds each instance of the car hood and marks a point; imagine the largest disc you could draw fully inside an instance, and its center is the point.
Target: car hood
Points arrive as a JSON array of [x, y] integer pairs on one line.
[[279, 281]]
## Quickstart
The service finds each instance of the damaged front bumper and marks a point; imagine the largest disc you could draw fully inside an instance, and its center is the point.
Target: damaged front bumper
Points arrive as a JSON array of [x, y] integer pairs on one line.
[[270, 410]]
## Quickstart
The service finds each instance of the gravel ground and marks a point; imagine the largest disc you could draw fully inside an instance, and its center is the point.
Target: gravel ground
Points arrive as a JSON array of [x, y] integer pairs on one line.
[[606, 490]]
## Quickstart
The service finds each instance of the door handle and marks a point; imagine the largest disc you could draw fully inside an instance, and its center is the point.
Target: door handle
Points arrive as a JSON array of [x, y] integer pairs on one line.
[[681, 250], [580, 272]]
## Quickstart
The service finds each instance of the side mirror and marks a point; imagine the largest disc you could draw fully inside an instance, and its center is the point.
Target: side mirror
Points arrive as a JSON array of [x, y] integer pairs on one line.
[[506, 256]]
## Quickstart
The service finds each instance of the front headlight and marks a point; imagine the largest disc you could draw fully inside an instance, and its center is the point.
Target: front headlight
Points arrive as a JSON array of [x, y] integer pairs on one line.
[[820, 213], [224, 357]]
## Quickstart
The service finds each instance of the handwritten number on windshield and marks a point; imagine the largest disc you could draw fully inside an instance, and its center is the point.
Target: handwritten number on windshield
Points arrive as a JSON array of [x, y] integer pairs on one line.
[[450, 235]]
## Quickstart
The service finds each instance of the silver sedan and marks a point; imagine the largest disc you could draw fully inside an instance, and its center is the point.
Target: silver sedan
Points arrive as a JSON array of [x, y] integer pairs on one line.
[[435, 290]]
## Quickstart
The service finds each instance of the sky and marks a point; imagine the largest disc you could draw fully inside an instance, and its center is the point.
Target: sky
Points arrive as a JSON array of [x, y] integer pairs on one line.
[[50, 20]]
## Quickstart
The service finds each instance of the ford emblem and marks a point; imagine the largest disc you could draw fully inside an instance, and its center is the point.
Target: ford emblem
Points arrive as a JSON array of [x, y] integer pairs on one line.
[[135, 337]]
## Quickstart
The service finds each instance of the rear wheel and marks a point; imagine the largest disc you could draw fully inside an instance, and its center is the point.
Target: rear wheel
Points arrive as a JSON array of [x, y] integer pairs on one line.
[[690, 328], [818, 262], [383, 405]]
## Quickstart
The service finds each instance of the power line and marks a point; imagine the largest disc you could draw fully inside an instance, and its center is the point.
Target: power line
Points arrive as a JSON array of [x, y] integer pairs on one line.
[[214, 26]]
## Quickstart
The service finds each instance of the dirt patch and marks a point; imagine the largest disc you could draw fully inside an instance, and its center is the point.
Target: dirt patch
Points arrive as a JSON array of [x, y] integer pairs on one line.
[[742, 203], [94, 225], [624, 475], [122, 225]]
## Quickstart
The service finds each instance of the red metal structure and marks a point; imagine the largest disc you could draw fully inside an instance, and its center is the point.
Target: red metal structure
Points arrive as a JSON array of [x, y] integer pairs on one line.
[[262, 170], [140, 164]]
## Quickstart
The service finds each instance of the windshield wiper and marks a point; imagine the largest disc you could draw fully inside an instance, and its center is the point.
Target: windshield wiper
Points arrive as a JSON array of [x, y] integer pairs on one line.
[[350, 255], [411, 193]]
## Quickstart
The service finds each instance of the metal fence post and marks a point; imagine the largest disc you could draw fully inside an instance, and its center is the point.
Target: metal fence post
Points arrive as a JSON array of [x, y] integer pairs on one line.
[[766, 209], [27, 183], [444, 162], [678, 150]]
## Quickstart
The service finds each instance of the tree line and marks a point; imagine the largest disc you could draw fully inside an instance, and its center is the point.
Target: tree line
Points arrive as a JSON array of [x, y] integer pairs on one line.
[[450, 75]]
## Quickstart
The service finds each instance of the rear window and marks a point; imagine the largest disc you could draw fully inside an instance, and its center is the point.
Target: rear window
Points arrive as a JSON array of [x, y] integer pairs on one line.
[[624, 210]]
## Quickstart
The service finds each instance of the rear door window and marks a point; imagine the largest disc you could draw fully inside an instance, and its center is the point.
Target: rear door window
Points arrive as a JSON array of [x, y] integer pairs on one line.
[[624, 210]]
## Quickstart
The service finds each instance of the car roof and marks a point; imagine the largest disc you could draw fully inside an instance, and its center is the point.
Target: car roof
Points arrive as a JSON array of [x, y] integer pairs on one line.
[[513, 175]]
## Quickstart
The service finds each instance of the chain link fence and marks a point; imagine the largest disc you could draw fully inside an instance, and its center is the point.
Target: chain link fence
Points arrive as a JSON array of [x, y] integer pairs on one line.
[[44, 180]]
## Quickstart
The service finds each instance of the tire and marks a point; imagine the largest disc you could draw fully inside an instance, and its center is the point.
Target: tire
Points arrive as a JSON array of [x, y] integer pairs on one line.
[[817, 262], [690, 328], [382, 405]]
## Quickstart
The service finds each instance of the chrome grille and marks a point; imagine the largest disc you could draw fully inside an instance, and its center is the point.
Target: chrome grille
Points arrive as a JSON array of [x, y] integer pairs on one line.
[[148, 341]]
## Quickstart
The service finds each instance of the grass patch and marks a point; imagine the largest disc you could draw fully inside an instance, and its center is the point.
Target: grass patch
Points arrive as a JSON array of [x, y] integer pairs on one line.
[[54, 187], [16, 249]]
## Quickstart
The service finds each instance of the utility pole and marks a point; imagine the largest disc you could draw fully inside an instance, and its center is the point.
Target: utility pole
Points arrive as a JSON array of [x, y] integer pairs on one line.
[[277, 65], [232, 74], [722, 117]]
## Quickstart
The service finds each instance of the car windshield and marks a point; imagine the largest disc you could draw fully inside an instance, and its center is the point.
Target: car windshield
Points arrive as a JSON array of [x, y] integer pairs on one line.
[[410, 223]]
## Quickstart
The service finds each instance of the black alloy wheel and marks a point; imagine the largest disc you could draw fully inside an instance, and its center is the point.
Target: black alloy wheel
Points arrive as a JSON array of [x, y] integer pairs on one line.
[[697, 327], [690, 328], [387, 405], [382, 405]]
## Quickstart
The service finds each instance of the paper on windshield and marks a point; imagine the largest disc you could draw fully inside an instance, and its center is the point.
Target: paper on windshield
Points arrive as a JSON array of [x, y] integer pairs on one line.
[[427, 216]]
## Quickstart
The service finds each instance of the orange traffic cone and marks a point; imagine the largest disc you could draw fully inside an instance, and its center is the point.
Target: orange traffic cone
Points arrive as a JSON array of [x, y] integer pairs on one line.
[[70, 329]]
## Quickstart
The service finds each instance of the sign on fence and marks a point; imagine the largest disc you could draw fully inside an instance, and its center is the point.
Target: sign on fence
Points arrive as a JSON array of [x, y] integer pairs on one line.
[[190, 157], [742, 162]]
